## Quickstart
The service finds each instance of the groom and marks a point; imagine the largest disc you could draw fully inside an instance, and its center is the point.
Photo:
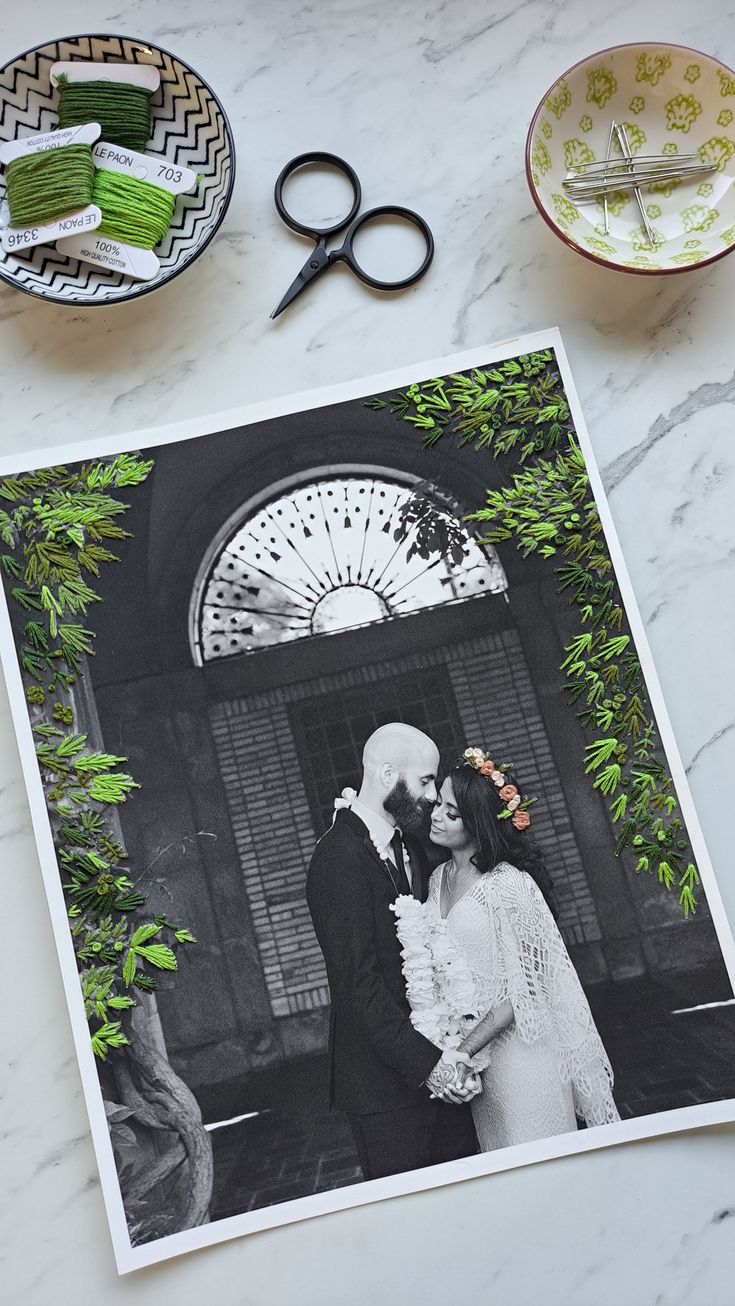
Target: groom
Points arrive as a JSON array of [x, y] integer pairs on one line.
[[404, 1100]]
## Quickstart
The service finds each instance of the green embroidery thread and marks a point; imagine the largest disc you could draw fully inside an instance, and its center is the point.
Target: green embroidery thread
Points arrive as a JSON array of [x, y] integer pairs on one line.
[[517, 411], [55, 526], [48, 185], [123, 111], [133, 211]]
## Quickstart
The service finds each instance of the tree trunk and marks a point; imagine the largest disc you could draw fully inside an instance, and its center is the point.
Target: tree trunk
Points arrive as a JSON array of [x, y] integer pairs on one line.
[[170, 1185]]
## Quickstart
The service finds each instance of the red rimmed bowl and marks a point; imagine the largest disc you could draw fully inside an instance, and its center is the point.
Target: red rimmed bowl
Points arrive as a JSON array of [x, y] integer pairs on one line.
[[672, 100]]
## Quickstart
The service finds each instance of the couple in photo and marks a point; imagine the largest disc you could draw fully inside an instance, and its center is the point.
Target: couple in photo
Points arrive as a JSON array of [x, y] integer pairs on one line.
[[458, 1023]]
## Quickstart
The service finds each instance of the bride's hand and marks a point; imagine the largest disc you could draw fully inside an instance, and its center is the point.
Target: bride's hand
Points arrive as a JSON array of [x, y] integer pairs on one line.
[[465, 1085], [470, 1086]]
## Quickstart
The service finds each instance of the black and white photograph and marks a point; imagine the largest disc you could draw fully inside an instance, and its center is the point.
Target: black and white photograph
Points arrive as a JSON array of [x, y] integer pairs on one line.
[[368, 848]]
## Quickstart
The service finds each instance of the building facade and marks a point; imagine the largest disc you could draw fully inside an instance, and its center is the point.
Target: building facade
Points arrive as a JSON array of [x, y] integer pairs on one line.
[[241, 677]]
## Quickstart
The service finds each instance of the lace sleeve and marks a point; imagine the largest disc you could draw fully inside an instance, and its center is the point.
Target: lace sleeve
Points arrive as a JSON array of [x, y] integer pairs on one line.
[[538, 977], [523, 960]]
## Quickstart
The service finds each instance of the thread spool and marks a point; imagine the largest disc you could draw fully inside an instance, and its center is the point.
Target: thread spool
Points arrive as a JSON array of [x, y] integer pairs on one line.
[[122, 110], [48, 185], [133, 212]]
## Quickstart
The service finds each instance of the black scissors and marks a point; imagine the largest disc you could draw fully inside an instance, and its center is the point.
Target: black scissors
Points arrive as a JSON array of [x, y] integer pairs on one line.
[[321, 259]]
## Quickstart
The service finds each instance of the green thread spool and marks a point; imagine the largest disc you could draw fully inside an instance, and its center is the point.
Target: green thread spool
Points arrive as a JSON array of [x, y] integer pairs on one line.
[[48, 185], [133, 212], [123, 111]]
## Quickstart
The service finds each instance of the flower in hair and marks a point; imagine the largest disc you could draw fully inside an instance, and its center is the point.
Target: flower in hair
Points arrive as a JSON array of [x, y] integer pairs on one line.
[[516, 807]]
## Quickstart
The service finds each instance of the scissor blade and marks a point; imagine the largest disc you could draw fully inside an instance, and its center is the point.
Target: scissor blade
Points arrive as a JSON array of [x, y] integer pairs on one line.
[[313, 266], [294, 289]]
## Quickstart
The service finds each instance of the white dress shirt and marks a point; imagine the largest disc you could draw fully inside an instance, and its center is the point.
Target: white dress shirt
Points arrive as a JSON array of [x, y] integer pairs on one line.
[[381, 832]]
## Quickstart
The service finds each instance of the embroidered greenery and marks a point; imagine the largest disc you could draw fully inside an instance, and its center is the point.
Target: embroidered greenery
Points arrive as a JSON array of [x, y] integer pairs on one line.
[[518, 413], [55, 527]]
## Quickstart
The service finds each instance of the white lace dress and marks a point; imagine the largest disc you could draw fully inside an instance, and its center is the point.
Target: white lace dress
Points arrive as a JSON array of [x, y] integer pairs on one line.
[[549, 1066]]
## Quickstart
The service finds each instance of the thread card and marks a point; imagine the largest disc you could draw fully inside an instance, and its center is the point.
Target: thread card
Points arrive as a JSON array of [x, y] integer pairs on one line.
[[139, 264], [16, 239], [85, 134], [131, 74], [144, 167]]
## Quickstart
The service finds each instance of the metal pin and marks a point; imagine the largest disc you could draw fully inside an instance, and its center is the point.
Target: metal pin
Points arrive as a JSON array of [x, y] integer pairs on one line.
[[622, 136], [603, 165], [582, 186], [605, 208]]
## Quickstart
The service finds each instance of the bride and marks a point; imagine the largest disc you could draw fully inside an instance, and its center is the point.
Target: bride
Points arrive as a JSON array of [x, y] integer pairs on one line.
[[541, 1060]]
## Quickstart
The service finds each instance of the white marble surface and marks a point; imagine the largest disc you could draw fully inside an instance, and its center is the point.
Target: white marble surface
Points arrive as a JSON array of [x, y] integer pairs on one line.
[[430, 102]]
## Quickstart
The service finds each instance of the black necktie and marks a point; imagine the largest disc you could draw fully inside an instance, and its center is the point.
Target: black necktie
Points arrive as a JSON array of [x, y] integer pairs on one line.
[[396, 844]]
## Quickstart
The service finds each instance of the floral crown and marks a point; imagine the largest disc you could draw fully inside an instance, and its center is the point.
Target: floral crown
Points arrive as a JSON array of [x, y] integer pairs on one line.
[[516, 808]]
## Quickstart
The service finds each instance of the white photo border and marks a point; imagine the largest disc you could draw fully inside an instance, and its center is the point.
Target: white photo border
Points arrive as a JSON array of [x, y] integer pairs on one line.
[[128, 1257]]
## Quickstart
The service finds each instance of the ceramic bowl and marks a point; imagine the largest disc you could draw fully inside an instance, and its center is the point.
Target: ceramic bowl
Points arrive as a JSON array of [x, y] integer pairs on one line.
[[190, 128], [672, 100]]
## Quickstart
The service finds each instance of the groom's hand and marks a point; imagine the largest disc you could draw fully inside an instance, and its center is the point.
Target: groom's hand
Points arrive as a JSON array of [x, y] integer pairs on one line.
[[451, 1078]]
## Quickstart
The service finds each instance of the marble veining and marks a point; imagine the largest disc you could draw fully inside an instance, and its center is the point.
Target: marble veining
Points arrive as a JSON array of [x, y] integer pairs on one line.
[[707, 395], [431, 104]]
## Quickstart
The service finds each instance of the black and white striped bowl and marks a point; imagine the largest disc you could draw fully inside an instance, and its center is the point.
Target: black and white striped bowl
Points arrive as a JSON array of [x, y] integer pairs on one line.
[[190, 128]]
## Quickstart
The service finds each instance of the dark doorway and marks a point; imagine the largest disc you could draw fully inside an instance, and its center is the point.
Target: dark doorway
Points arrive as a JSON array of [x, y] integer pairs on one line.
[[330, 730]]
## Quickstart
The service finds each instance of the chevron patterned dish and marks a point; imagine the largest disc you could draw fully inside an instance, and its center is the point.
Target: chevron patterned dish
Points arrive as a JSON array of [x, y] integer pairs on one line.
[[190, 128]]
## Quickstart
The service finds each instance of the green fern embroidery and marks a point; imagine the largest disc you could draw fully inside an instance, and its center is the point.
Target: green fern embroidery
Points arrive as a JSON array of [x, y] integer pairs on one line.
[[516, 412], [57, 525]]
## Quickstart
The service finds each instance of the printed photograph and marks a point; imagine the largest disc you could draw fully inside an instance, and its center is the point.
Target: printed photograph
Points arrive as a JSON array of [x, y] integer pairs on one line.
[[370, 850]]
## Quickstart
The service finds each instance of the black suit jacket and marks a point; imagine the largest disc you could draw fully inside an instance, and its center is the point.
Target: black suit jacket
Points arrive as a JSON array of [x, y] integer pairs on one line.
[[378, 1061]]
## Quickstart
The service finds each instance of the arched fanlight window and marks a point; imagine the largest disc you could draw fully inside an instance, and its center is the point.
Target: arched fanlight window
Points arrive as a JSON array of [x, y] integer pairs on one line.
[[335, 553]]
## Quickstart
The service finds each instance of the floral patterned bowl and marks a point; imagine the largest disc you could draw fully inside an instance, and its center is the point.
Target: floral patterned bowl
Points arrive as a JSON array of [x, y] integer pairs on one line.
[[672, 100]]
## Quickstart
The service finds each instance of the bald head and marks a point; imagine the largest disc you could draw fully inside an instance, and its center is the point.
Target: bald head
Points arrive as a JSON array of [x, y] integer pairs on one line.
[[400, 746], [399, 774]]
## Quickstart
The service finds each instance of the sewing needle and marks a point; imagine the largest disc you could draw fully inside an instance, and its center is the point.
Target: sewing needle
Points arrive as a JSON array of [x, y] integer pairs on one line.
[[604, 175], [625, 150]]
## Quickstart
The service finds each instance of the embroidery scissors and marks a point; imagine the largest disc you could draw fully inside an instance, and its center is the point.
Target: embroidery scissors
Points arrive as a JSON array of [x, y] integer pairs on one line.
[[322, 259]]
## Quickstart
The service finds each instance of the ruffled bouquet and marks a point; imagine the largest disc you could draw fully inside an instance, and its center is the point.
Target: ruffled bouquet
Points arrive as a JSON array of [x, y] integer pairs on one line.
[[439, 983]]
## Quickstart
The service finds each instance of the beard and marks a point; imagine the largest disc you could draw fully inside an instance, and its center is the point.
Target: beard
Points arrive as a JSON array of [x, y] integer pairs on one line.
[[409, 811]]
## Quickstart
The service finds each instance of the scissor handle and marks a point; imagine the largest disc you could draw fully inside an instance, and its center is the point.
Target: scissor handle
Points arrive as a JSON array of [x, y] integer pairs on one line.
[[301, 161], [385, 210]]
